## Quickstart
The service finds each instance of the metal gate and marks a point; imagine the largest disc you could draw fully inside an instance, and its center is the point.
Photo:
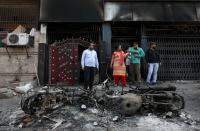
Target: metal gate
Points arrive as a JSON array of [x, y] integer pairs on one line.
[[179, 56], [64, 65]]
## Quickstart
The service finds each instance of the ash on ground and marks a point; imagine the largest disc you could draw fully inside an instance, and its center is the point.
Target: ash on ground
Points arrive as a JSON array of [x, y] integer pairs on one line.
[[81, 117]]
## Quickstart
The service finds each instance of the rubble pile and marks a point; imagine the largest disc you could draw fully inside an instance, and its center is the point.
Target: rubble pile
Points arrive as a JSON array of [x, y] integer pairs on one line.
[[6, 93], [73, 118], [67, 117], [118, 100]]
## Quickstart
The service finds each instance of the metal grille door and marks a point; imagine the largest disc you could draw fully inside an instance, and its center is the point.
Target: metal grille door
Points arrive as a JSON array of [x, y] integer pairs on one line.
[[64, 66], [180, 57]]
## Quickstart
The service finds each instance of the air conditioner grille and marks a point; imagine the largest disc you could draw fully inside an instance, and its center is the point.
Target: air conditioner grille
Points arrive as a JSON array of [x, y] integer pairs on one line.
[[14, 39]]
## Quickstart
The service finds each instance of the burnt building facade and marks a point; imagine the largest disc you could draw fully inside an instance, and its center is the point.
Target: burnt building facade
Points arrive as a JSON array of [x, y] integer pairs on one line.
[[71, 25], [68, 26], [172, 24]]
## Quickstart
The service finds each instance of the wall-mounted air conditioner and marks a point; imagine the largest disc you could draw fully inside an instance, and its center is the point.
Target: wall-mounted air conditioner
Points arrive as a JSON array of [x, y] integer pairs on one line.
[[17, 39]]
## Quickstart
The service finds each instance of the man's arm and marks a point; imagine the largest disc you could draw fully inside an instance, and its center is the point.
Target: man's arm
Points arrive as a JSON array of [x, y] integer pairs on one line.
[[96, 60], [141, 53], [83, 60], [130, 53]]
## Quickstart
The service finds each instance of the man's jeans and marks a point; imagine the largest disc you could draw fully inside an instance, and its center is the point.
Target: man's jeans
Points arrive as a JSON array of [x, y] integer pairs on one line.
[[152, 70]]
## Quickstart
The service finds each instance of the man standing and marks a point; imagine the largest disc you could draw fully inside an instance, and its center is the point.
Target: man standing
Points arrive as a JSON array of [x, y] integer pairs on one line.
[[153, 60], [135, 55], [89, 63]]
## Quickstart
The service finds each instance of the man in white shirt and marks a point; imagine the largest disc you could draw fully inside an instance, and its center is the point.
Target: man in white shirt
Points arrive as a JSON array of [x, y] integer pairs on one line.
[[89, 62]]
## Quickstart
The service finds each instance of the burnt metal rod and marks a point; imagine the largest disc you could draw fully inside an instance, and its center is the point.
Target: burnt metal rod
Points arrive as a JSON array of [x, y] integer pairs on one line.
[[157, 103], [154, 95], [171, 88]]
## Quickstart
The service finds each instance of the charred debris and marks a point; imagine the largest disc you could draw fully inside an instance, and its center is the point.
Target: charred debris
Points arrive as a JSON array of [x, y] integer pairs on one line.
[[105, 100]]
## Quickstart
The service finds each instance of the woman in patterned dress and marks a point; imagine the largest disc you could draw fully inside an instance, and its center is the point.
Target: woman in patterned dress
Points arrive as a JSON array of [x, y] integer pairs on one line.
[[118, 66]]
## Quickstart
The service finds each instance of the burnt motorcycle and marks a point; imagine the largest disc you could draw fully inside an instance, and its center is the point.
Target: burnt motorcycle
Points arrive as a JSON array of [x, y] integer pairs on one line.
[[126, 101]]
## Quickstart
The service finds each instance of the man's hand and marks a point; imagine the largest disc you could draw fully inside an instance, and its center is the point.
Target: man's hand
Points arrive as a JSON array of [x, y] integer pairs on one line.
[[127, 54]]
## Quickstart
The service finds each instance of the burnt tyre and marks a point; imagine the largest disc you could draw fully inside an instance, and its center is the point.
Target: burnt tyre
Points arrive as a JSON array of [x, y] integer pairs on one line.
[[177, 102], [130, 104]]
